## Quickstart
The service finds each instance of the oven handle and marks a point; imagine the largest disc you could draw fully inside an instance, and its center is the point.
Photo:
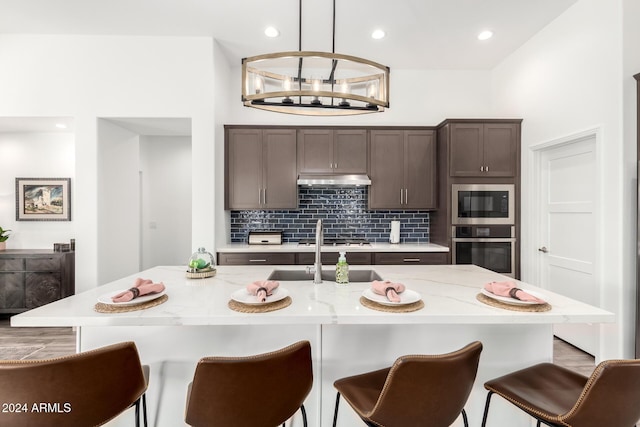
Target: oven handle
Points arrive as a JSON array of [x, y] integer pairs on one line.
[[484, 239]]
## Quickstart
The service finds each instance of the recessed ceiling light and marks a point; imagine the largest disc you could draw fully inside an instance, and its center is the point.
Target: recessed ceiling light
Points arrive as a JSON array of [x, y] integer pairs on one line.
[[485, 35], [271, 32], [61, 126], [378, 34]]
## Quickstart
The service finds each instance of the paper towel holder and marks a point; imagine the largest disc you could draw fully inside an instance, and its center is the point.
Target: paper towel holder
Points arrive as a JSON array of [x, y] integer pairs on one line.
[[394, 235]]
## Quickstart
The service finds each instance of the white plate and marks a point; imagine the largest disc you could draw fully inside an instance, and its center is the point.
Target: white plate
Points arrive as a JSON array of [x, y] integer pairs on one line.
[[106, 298], [241, 295], [406, 297], [509, 300]]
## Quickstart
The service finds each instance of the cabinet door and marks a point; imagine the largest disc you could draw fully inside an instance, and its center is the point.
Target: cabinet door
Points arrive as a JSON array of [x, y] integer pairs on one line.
[[386, 169], [244, 178], [11, 291], [500, 148], [466, 149], [420, 170], [280, 189], [42, 288], [350, 151], [315, 151]]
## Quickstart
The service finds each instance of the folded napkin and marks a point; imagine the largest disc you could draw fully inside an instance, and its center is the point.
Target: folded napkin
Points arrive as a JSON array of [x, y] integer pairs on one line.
[[509, 289], [141, 287], [262, 288], [388, 289]]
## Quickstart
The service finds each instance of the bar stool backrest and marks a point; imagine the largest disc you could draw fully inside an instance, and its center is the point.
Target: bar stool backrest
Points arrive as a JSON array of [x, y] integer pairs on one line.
[[84, 389], [261, 390], [428, 387], [611, 396]]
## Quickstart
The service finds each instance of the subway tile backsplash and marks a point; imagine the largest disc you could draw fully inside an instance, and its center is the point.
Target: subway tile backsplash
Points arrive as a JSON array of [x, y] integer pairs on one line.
[[344, 213]]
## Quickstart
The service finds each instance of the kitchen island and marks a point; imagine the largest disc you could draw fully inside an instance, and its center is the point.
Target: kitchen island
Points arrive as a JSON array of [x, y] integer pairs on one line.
[[346, 337]]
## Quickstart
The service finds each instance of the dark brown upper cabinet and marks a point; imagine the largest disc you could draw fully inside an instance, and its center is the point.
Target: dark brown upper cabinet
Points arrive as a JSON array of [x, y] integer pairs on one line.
[[260, 169], [332, 151], [484, 149], [402, 169]]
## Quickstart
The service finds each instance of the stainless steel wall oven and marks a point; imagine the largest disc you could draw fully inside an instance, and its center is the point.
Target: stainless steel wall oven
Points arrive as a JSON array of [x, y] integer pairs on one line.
[[492, 247]]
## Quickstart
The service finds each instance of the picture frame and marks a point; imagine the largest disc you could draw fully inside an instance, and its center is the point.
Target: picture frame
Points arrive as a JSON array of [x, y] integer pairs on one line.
[[43, 199]]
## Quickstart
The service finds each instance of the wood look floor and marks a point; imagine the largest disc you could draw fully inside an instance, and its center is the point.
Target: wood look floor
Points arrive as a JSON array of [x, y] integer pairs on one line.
[[62, 341]]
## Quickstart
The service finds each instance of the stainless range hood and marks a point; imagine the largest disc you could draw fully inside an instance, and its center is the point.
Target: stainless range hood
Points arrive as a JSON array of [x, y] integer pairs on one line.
[[335, 180]]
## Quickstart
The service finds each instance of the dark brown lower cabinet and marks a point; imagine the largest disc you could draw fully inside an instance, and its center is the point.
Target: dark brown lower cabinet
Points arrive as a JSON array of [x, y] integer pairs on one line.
[[331, 258], [31, 278], [256, 258], [407, 258]]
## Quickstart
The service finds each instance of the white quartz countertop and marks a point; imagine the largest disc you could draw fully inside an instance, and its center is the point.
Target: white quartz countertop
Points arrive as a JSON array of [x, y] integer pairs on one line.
[[373, 247], [448, 291]]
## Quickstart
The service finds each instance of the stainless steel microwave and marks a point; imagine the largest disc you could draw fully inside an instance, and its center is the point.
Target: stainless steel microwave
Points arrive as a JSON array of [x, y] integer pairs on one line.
[[482, 204]]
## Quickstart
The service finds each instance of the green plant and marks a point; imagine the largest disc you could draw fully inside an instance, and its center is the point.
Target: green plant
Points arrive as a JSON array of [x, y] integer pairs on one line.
[[3, 234]]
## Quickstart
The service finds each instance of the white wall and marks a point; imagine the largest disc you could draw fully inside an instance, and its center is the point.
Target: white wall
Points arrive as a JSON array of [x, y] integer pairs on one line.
[[225, 97], [631, 67], [118, 202], [565, 80], [165, 165], [87, 77], [35, 155]]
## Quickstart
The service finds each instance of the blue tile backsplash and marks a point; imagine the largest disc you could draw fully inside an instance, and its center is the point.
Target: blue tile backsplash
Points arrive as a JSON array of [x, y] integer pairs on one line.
[[344, 213]]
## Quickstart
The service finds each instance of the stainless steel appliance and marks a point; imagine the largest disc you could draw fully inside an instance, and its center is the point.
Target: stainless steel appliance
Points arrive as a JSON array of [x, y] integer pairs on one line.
[[490, 246], [337, 241], [482, 204]]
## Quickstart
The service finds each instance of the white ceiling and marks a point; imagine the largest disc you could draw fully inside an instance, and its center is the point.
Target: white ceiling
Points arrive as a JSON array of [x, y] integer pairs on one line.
[[427, 34], [421, 34]]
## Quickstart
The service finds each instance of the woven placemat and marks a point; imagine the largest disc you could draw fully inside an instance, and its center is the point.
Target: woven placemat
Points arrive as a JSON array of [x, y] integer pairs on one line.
[[106, 308], [259, 308], [404, 308], [201, 274], [527, 307]]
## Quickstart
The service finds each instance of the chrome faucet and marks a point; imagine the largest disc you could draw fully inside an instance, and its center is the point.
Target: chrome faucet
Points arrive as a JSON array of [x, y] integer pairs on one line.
[[317, 274]]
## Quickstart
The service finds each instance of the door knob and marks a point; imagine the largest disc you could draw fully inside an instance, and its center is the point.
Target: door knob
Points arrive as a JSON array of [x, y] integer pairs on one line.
[[543, 249]]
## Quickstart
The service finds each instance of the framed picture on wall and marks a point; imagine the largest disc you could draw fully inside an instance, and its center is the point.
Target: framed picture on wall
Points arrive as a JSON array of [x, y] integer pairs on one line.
[[43, 199]]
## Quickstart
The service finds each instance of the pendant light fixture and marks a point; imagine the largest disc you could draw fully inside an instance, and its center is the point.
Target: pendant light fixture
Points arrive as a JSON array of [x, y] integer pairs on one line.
[[314, 83]]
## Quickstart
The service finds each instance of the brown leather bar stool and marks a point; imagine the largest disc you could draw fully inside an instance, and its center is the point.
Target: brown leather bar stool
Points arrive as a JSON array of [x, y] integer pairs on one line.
[[556, 396], [264, 390], [84, 389], [417, 390]]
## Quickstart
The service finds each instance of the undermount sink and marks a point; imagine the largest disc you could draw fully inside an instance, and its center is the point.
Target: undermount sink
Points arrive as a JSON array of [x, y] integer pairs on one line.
[[328, 275]]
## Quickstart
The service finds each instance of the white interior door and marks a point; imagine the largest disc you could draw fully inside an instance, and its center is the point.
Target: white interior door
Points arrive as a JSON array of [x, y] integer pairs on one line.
[[568, 239]]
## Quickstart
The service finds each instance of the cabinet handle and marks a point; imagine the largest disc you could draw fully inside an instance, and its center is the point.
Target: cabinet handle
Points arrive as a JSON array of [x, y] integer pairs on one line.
[[406, 196], [264, 196], [257, 260], [259, 196], [486, 168], [411, 259], [401, 196], [481, 168]]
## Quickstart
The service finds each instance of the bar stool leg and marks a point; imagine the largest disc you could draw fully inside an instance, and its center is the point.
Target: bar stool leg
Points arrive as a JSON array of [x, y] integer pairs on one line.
[[335, 412], [486, 409], [464, 418]]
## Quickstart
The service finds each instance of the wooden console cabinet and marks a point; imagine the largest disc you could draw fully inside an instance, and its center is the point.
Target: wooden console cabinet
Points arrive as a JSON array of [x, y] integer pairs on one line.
[[30, 278]]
